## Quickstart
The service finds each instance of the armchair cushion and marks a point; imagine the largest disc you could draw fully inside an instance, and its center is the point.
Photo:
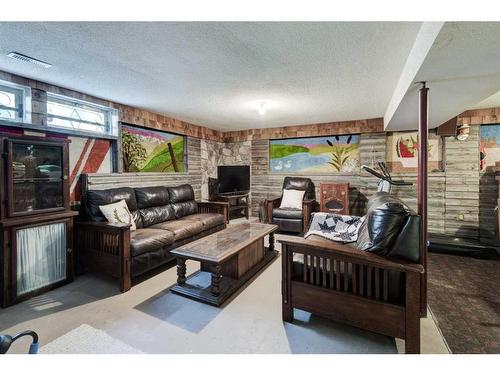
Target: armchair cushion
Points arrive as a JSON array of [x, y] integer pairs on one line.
[[148, 239], [292, 199], [288, 213], [300, 183]]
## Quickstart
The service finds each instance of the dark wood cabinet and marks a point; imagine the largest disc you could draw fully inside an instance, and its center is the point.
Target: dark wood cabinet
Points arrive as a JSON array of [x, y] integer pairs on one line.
[[334, 198], [35, 220]]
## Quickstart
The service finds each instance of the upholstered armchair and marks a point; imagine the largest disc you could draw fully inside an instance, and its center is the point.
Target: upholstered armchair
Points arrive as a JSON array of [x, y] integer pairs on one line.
[[293, 220]]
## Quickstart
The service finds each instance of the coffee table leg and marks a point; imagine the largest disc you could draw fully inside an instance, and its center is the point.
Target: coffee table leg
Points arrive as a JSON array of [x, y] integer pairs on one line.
[[181, 271], [271, 241], [216, 280]]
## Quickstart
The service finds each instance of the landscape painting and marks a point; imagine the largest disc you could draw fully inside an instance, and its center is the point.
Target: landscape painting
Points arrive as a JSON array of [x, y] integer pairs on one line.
[[315, 155], [146, 150], [489, 146], [402, 152]]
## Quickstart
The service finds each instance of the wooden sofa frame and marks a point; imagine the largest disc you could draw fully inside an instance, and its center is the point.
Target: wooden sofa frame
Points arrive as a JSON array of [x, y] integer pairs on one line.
[[106, 247], [345, 296]]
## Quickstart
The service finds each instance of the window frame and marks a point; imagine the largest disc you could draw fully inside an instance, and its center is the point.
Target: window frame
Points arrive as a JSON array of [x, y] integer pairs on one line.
[[23, 93], [111, 117]]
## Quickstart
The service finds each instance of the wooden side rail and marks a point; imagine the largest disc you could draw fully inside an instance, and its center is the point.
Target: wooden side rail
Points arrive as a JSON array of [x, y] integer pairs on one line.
[[214, 207], [105, 247], [352, 286]]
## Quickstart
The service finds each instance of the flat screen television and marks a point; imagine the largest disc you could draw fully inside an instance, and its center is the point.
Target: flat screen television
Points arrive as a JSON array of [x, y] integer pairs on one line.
[[233, 178]]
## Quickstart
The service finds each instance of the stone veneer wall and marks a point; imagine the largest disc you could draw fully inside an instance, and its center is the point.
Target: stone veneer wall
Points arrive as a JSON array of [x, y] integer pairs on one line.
[[215, 153]]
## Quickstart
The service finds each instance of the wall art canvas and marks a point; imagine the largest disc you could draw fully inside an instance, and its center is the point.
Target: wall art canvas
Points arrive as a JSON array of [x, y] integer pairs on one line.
[[315, 155], [489, 145], [146, 150], [402, 152]]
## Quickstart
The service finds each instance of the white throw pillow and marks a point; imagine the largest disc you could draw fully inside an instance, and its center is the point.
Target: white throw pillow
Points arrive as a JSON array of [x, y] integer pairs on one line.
[[292, 199], [118, 213]]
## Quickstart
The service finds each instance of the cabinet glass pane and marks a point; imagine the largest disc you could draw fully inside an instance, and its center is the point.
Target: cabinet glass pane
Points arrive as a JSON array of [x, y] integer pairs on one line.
[[37, 177], [41, 256]]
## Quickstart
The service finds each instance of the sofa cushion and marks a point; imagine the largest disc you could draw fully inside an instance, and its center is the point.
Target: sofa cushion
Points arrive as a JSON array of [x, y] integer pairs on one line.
[[289, 225], [154, 215], [148, 239], [152, 196], [385, 218], [182, 209], [181, 193], [288, 213], [181, 229], [137, 218], [118, 213], [209, 220], [96, 198]]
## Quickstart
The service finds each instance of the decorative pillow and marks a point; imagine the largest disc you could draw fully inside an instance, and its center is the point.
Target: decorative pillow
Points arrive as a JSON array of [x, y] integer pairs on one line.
[[118, 213], [292, 199]]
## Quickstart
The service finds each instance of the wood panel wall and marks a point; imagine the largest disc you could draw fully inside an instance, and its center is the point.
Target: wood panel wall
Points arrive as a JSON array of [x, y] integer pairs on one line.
[[313, 130]]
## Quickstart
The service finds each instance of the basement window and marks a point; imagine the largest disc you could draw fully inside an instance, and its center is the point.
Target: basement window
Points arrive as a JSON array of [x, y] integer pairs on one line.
[[81, 117], [15, 102]]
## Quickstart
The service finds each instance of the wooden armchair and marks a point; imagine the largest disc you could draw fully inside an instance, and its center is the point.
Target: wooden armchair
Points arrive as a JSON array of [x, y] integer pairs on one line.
[[352, 286]]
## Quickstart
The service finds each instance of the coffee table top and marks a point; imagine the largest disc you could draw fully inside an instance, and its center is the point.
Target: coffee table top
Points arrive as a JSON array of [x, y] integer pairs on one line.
[[219, 246]]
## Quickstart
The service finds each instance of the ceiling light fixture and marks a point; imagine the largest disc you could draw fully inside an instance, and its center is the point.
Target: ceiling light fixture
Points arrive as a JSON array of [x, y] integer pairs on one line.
[[29, 60], [262, 109]]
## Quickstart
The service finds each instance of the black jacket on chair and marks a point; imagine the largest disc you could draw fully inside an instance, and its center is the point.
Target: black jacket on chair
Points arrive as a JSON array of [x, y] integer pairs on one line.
[[293, 220]]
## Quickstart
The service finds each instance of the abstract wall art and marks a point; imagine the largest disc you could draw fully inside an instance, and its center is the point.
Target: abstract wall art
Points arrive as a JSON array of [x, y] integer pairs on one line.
[[146, 150], [315, 155]]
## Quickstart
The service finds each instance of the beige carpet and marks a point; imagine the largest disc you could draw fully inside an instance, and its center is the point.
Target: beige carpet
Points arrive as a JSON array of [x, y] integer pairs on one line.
[[87, 340]]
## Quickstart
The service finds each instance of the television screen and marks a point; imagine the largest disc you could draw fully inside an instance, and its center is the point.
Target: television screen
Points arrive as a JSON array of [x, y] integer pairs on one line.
[[233, 178]]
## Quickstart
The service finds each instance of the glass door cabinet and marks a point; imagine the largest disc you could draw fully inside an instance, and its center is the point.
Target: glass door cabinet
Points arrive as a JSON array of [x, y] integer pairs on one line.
[[35, 217]]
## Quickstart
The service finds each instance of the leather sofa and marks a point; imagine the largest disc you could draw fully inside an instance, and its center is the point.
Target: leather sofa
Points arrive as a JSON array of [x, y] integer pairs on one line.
[[165, 217], [373, 283], [293, 220]]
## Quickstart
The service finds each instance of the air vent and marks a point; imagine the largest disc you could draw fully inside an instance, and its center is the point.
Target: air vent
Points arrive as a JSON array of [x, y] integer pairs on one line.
[[29, 60]]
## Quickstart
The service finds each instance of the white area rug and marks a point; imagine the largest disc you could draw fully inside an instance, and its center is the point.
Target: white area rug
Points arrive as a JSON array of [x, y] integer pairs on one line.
[[87, 340]]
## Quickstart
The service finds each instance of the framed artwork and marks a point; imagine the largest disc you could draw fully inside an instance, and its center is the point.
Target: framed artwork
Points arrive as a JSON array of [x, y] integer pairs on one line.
[[146, 150], [489, 146], [402, 152], [315, 155]]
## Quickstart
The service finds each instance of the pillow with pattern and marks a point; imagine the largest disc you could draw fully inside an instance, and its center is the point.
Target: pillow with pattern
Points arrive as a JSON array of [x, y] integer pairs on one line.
[[118, 213]]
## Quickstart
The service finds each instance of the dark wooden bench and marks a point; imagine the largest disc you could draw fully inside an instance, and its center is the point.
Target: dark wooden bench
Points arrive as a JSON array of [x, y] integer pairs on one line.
[[352, 286]]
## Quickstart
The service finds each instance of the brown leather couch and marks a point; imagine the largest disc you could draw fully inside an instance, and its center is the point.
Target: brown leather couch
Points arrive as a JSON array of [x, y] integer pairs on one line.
[[165, 217], [293, 220]]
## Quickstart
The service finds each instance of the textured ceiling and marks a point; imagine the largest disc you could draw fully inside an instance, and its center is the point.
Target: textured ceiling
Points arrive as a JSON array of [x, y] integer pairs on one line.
[[462, 71], [215, 74]]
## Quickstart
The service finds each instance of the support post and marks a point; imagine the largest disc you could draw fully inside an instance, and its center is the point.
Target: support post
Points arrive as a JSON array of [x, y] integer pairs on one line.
[[422, 190]]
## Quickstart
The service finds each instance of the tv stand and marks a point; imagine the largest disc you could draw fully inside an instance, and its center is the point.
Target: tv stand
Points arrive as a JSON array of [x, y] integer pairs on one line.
[[238, 201]]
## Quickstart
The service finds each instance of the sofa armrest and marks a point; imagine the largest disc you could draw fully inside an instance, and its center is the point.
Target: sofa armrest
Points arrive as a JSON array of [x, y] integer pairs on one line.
[[307, 210], [105, 247], [215, 207], [271, 203], [345, 252]]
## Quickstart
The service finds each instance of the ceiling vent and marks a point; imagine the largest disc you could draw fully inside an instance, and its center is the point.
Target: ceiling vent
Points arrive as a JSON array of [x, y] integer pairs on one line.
[[29, 60]]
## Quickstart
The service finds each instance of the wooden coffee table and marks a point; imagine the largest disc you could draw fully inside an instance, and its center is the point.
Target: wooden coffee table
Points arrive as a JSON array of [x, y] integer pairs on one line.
[[229, 258]]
